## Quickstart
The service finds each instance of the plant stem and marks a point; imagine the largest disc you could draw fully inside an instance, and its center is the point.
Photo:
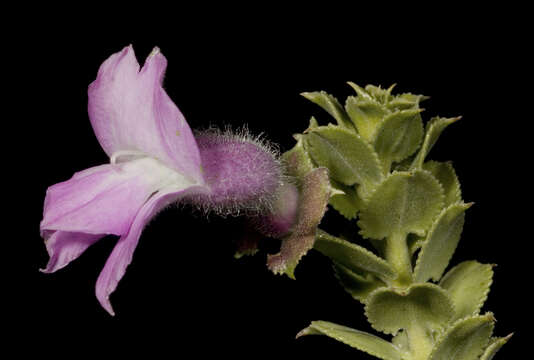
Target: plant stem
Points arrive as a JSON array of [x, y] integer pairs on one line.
[[398, 255], [420, 343]]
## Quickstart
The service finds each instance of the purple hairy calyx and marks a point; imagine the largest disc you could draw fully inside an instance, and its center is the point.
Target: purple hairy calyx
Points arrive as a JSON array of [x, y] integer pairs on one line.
[[243, 173]]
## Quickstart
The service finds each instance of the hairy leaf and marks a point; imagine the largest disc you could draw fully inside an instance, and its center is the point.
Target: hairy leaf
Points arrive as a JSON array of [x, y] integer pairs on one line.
[[464, 340], [346, 201], [352, 256], [444, 172], [494, 346], [381, 95], [331, 105], [414, 243], [440, 243], [297, 161], [362, 93], [405, 202], [468, 285], [405, 101], [366, 114], [358, 286], [434, 128], [398, 136], [390, 310], [348, 157], [360, 340]]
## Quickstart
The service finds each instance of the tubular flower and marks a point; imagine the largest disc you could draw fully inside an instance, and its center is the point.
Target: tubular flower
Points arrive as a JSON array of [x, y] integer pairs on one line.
[[154, 161]]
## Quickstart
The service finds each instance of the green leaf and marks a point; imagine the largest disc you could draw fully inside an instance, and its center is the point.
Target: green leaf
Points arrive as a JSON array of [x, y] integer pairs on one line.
[[414, 243], [390, 310], [346, 200], [405, 101], [440, 243], [371, 344], [381, 95], [366, 114], [358, 286], [296, 161], [331, 105], [494, 346], [348, 157], [313, 123], [352, 256], [405, 202], [398, 136], [468, 285], [434, 128], [464, 340], [362, 93], [444, 172]]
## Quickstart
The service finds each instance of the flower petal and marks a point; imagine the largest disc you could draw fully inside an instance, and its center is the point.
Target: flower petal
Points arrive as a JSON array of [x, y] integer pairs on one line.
[[105, 199], [131, 113], [63, 247], [98, 201], [121, 256]]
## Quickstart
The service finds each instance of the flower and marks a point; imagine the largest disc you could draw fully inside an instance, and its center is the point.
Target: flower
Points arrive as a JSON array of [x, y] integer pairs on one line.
[[154, 161]]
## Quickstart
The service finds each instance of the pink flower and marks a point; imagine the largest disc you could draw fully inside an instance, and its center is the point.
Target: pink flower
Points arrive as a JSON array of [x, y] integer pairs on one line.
[[154, 161]]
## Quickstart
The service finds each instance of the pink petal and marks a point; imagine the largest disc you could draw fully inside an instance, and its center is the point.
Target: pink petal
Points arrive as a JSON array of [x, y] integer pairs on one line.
[[130, 112], [63, 247], [121, 256], [99, 200]]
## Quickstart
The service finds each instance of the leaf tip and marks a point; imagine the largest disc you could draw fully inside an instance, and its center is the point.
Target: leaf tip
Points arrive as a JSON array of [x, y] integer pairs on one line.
[[306, 331], [469, 204]]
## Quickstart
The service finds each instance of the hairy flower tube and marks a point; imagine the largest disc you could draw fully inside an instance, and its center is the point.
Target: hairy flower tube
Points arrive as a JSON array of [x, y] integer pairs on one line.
[[155, 160]]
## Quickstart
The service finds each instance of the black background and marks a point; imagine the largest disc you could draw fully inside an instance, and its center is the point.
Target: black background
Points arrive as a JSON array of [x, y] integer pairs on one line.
[[184, 292]]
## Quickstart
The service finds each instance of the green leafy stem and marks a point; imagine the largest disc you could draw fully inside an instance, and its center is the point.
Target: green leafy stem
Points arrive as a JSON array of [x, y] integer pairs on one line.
[[410, 214]]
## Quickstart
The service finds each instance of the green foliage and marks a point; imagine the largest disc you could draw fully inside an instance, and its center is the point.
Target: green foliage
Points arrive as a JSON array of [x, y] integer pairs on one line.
[[405, 202], [330, 105], [366, 115], [494, 346], [345, 199], [466, 339], [390, 310], [398, 136], [349, 158], [434, 128], [352, 256], [445, 174], [357, 285], [360, 340], [468, 285], [411, 211], [440, 243]]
